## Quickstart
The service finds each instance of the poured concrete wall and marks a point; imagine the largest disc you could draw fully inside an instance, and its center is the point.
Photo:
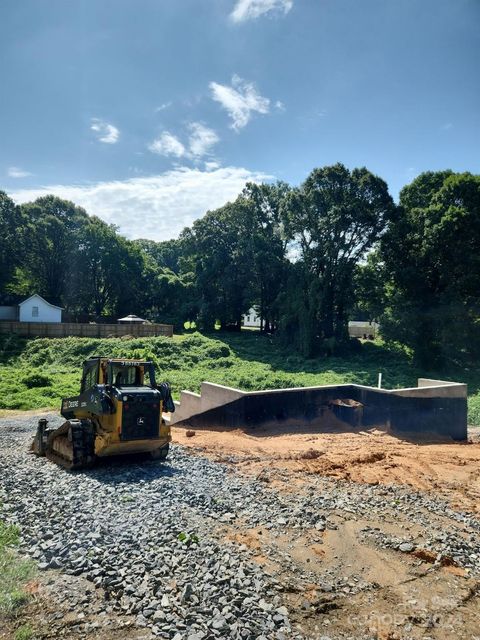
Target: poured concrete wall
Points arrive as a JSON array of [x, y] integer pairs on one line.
[[434, 407]]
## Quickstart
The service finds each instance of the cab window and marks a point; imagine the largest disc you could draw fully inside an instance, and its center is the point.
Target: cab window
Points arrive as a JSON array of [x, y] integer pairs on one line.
[[126, 376], [90, 377]]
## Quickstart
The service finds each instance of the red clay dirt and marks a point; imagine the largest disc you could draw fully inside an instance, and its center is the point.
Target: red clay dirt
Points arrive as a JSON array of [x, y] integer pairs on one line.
[[449, 469]]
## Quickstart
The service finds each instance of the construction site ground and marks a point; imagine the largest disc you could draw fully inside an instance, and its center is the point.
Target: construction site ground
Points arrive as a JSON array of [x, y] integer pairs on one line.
[[363, 534], [445, 468]]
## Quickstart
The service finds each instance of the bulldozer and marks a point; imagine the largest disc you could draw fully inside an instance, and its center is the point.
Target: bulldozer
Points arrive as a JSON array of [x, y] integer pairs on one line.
[[118, 411]]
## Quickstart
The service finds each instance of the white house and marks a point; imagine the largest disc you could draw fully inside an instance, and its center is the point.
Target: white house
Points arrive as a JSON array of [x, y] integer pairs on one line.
[[252, 318], [358, 329], [36, 309]]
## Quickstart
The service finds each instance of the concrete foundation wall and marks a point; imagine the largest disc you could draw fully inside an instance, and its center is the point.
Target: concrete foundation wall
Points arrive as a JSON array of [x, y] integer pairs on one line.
[[434, 407]]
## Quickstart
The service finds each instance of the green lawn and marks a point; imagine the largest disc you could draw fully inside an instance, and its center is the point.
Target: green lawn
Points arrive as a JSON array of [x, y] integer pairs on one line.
[[37, 373], [14, 572]]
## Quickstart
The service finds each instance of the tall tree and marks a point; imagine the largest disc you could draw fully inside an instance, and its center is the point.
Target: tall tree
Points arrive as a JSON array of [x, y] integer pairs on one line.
[[219, 254], [432, 256], [334, 218], [165, 254], [97, 270], [267, 248], [52, 237], [11, 248]]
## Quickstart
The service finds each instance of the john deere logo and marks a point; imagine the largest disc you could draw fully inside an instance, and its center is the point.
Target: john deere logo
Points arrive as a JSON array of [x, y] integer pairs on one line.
[[140, 420]]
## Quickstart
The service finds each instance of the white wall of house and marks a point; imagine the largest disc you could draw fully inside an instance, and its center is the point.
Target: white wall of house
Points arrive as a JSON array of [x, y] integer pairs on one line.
[[357, 329], [251, 319], [36, 309]]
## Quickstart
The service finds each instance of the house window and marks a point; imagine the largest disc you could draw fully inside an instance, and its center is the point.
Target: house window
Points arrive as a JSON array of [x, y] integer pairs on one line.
[[34, 312]]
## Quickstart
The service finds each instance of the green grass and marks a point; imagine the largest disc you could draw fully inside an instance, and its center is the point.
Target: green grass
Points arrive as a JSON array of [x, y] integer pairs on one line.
[[25, 632], [38, 373], [14, 572]]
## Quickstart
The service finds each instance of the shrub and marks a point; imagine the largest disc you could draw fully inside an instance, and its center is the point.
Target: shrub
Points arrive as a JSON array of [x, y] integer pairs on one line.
[[37, 379]]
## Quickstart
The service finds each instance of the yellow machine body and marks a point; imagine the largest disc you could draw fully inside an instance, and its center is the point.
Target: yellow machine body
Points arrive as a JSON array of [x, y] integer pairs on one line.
[[118, 411]]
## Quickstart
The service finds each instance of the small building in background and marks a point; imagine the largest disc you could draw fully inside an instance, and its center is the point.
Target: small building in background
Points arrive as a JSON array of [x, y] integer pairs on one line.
[[37, 309], [363, 329], [252, 318], [132, 319]]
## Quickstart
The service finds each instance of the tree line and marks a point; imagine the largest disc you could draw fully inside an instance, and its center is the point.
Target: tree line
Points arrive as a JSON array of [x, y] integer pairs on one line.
[[309, 258]]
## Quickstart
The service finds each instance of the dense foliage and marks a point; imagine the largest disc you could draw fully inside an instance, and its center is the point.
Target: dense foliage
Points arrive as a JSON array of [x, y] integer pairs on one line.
[[51, 368], [308, 259]]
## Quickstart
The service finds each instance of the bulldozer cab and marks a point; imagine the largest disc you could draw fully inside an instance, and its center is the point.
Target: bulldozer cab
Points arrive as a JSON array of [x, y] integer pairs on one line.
[[117, 373]]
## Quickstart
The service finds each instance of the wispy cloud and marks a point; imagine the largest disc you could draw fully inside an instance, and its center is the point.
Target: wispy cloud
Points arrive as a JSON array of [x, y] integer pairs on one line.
[[167, 145], [252, 9], [163, 106], [240, 100], [105, 131], [446, 126], [211, 165], [16, 172], [201, 139], [157, 207], [199, 144]]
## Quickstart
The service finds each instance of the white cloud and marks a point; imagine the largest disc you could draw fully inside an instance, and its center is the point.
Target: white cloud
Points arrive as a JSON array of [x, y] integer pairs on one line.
[[106, 132], [16, 172], [157, 207], [163, 106], [201, 139], [167, 145], [279, 105], [240, 100], [446, 126], [211, 165], [251, 9]]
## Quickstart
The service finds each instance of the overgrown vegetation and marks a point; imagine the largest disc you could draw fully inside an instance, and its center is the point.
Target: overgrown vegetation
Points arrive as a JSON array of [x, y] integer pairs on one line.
[[14, 572], [307, 258], [250, 361]]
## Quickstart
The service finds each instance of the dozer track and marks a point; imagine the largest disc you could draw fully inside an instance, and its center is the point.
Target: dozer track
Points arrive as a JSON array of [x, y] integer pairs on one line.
[[72, 445]]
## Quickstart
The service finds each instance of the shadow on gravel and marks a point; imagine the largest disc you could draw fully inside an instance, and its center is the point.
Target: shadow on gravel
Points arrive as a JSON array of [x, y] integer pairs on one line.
[[117, 470]]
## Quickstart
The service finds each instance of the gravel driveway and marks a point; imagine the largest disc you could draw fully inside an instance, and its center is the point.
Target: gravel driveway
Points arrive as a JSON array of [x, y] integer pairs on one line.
[[163, 541]]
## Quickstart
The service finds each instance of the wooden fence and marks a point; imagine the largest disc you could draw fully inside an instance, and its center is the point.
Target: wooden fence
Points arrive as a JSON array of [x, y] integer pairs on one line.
[[63, 329]]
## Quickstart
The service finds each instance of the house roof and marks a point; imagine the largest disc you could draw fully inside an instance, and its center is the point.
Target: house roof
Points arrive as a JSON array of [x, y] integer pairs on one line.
[[35, 295], [131, 318]]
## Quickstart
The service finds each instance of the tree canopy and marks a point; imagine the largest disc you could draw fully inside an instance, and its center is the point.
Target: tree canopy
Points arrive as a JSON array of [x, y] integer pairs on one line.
[[307, 258]]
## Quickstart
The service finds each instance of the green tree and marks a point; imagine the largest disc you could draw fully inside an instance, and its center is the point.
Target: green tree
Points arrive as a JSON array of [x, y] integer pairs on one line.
[[264, 233], [219, 253], [333, 219], [98, 270], [165, 254], [370, 287], [51, 235], [431, 253], [11, 247]]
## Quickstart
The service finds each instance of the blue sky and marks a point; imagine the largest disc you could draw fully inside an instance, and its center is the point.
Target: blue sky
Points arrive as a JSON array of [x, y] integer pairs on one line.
[[150, 112]]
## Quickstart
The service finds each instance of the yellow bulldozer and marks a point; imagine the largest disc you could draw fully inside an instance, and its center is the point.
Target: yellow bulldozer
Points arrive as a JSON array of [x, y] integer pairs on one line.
[[118, 411]]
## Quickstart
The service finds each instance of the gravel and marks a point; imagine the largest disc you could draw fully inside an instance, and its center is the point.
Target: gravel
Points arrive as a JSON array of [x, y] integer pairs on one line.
[[147, 534]]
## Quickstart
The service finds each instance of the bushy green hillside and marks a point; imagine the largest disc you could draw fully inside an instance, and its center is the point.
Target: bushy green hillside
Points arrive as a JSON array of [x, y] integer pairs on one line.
[[38, 373]]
